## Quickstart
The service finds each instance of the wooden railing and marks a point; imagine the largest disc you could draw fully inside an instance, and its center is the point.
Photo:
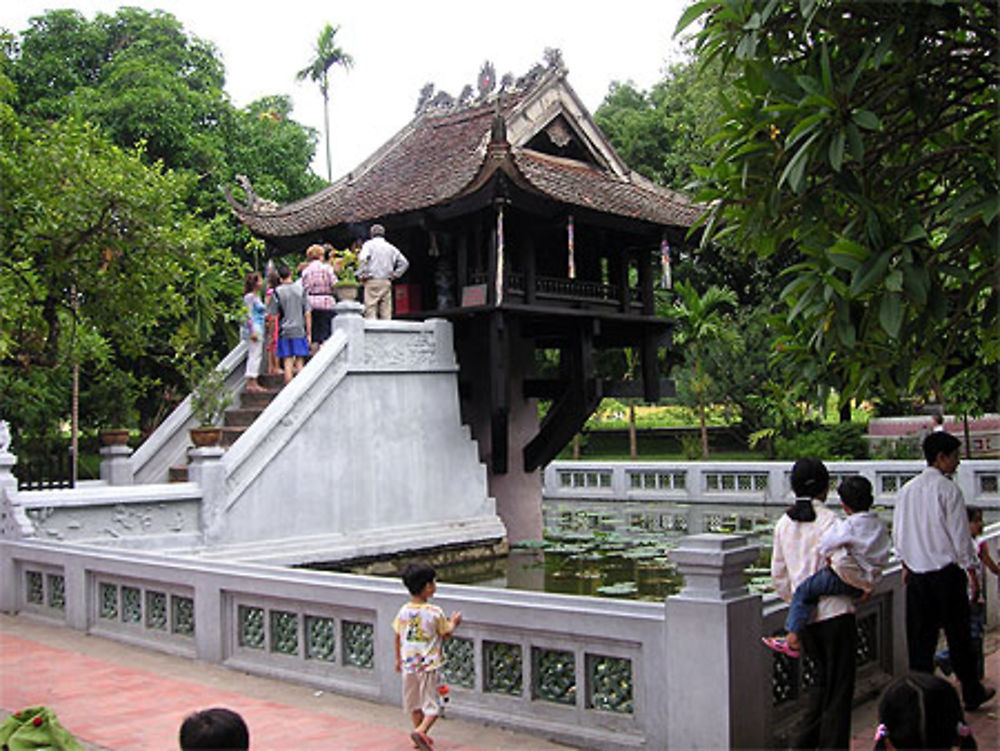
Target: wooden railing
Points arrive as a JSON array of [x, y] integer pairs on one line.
[[550, 287]]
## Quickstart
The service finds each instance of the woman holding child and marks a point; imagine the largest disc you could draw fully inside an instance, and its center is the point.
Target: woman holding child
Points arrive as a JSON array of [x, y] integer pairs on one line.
[[830, 640]]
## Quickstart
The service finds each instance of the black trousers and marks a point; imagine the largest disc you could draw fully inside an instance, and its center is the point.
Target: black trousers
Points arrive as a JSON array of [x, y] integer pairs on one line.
[[935, 600], [832, 645], [322, 321]]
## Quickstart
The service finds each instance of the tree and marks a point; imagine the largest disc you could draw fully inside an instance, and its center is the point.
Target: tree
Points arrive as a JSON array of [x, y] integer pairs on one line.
[[862, 139], [143, 79], [121, 125], [664, 132], [326, 55], [264, 142], [100, 254], [700, 321]]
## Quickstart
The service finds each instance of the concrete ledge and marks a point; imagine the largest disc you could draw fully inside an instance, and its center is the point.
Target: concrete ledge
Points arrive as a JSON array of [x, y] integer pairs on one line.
[[358, 544]]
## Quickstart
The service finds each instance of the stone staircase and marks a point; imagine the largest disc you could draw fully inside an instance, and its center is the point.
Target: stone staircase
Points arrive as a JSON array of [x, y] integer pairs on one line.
[[237, 419]]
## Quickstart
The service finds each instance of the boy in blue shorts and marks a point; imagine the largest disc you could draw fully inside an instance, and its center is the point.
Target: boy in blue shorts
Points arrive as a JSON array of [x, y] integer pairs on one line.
[[290, 304]]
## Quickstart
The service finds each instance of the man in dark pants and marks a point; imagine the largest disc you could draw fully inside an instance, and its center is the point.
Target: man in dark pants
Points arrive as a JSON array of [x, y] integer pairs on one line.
[[931, 537]]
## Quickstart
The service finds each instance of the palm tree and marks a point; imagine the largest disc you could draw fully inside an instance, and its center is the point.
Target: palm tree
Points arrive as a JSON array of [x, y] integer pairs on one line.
[[327, 54], [701, 320]]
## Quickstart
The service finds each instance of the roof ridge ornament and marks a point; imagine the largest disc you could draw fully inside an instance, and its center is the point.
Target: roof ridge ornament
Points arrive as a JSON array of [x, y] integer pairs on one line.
[[440, 102], [253, 201]]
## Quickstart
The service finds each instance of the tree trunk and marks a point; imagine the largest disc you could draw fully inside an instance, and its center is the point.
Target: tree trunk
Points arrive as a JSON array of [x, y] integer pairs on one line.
[[704, 428], [50, 314], [845, 412], [633, 444], [576, 447], [326, 129], [968, 437]]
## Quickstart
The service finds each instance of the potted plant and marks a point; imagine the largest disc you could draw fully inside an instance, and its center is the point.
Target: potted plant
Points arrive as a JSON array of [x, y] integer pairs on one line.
[[346, 268], [117, 399], [209, 399]]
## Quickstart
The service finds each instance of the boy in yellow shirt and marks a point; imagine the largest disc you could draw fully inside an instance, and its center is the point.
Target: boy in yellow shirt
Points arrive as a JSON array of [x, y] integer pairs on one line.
[[421, 629]]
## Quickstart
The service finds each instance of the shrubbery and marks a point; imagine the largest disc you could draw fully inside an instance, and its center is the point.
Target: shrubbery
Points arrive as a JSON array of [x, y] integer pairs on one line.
[[838, 442]]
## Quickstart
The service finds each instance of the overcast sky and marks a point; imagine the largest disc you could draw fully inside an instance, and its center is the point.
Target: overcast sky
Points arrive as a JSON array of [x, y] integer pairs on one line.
[[398, 46]]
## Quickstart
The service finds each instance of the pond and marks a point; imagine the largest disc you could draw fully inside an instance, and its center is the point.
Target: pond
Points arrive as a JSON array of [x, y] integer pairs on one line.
[[614, 549]]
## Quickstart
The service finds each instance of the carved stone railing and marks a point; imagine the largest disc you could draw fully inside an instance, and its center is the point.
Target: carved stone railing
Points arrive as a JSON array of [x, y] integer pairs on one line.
[[596, 673], [754, 483]]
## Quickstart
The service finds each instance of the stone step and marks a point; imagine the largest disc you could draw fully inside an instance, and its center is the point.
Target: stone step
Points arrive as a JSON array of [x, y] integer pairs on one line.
[[177, 474], [256, 399], [230, 434], [272, 381], [241, 417]]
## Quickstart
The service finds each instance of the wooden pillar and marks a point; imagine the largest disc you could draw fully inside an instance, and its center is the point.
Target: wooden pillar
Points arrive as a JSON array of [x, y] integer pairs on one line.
[[621, 270], [499, 393], [491, 263], [650, 369], [646, 282], [530, 273], [462, 261]]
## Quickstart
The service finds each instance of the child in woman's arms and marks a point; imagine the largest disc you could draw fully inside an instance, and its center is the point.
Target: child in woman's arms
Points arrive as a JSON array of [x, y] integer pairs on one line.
[[857, 548]]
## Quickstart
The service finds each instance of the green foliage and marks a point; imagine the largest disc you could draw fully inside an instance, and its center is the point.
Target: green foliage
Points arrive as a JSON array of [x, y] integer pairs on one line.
[[903, 447], [209, 395], [115, 135], [100, 261], [347, 269], [700, 322], [665, 133], [830, 442], [143, 80], [862, 138]]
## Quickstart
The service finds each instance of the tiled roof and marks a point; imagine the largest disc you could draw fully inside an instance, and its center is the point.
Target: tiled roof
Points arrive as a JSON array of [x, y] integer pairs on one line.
[[584, 185], [425, 165], [434, 158]]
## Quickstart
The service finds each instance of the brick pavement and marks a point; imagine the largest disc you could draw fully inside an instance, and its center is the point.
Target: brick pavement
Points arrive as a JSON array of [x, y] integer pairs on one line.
[[122, 698]]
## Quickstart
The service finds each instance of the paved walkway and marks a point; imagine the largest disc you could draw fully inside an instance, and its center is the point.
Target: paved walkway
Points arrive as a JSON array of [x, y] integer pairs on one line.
[[115, 697]]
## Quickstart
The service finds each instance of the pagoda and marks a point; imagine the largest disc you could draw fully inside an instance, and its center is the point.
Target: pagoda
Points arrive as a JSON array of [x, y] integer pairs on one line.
[[527, 231]]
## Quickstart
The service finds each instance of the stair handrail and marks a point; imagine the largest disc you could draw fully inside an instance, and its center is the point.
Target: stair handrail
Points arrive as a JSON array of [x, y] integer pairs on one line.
[[282, 415], [178, 422]]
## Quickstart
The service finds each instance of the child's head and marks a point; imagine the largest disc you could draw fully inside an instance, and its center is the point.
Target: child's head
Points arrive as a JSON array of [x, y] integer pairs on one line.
[[856, 493], [416, 576], [810, 479], [940, 443], [921, 710], [975, 520], [250, 282], [217, 729]]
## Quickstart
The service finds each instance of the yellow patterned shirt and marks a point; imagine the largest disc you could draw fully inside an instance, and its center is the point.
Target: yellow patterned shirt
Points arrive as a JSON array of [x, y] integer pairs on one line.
[[420, 627]]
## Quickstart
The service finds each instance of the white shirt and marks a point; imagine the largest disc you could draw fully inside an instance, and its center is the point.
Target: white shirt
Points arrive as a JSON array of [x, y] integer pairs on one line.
[[796, 557], [930, 527], [864, 536], [380, 259]]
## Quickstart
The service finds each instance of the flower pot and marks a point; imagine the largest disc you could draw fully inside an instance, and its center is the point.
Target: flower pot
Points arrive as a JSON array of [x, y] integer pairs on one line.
[[206, 436], [347, 292], [114, 437]]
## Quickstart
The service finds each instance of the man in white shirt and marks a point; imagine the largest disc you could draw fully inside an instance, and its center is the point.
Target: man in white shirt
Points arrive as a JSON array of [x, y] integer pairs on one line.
[[379, 263], [931, 536]]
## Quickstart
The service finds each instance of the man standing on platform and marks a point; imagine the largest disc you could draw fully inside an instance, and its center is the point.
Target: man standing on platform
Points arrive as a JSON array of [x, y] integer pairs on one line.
[[932, 539], [379, 263]]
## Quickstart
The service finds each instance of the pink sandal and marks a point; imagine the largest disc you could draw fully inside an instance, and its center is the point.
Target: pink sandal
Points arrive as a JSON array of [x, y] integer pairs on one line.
[[780, 644]]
